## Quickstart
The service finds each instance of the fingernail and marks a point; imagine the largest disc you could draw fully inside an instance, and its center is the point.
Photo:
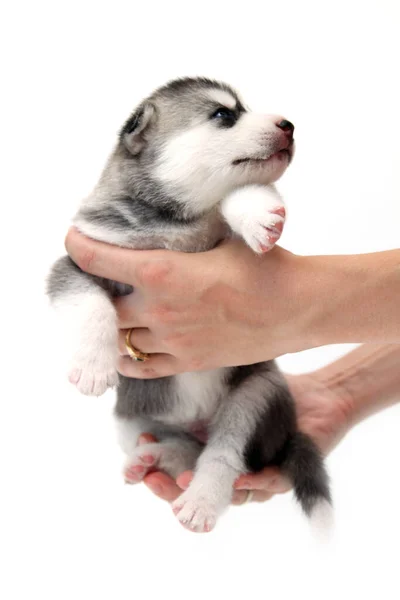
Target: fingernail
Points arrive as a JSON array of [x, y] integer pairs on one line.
[[155, 488]]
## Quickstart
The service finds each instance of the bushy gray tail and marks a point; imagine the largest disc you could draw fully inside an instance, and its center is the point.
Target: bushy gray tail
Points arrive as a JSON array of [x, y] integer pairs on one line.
[[303, 465]]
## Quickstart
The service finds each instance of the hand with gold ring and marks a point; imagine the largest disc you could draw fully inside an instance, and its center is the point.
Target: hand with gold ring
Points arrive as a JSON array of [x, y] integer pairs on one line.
[[229, 306], [199, 311]]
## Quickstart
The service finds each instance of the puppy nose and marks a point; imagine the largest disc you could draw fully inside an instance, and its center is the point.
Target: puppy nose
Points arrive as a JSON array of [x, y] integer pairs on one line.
[[286, 126]]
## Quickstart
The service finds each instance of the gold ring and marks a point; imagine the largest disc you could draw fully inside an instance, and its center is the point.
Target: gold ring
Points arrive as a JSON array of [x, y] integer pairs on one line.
[[249, 497], [133, 352]]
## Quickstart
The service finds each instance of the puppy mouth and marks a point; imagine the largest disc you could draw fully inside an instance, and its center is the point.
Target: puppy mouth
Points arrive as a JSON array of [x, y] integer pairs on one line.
[[283, 154]]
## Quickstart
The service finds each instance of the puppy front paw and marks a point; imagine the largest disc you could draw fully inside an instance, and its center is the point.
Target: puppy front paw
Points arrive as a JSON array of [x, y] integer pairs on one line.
[[257, 214], [262, 233], [91, 381], [94, 369]]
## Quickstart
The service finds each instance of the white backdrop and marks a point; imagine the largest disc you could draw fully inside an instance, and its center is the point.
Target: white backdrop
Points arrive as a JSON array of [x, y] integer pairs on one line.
[[71, 73]]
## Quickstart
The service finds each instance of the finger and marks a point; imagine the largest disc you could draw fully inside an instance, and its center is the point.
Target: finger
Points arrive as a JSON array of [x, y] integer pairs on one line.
[[261, 496], [129, 310], [162, 486], [240, 497], [270, 479], [184, 479], [141, 339], [119, 264], [158, 365]]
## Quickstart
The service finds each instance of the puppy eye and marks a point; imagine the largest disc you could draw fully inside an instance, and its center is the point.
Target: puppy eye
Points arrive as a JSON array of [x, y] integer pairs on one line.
[[226, 116]]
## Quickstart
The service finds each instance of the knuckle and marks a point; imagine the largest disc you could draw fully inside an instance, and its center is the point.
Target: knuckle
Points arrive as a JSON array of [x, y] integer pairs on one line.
[[178, 341], [153, 274], [124, 314], [81, 250], [126, 311], [85, 258], [126, 367], [196, 364], [129, 369], [162, 314], [148, 373]]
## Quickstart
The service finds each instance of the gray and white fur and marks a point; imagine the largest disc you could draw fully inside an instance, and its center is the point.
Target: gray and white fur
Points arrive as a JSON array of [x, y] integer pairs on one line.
[[191, 166]]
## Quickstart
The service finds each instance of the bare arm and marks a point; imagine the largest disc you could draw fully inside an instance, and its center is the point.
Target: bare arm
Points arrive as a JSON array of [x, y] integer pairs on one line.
[[369, 377], [357, 296]]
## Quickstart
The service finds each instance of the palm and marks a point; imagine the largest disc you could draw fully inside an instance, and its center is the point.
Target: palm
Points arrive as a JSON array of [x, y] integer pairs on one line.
[[322, 413]]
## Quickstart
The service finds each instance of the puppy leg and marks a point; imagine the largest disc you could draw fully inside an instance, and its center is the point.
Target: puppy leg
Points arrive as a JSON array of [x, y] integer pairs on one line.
[[224, 457], [173, 453], [91, 325], [257, 214]]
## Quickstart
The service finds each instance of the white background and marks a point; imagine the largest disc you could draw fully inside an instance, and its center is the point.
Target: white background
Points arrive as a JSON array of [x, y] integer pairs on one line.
[[71, 73]]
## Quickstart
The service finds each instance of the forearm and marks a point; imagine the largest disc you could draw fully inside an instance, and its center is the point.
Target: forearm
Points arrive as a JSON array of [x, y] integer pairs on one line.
[[368, 377], [352, 299]]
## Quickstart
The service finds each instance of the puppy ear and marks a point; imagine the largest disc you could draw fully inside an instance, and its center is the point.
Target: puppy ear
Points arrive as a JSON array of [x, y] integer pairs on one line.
[[135, 131]]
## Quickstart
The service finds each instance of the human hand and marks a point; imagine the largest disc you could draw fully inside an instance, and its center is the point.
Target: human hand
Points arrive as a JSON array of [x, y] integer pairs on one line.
[[203, 310], [324, 412], [230, 306]]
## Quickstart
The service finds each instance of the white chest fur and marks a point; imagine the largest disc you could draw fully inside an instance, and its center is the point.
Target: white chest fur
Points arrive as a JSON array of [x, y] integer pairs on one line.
[[198, 395]]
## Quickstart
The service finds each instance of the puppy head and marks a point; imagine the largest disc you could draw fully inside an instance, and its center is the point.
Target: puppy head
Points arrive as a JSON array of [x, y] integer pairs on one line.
[[199, 141]]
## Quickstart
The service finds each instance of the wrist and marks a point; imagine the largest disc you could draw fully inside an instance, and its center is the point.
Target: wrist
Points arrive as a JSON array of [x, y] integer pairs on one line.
[[295, 294], [366, 380], [375, 380]]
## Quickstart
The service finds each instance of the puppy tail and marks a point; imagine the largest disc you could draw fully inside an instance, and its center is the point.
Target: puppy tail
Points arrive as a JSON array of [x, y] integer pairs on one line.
[[304, 466]]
